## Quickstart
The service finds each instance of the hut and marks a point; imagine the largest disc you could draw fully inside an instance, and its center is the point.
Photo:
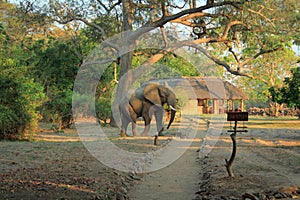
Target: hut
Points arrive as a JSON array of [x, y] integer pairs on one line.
[[211, 95]]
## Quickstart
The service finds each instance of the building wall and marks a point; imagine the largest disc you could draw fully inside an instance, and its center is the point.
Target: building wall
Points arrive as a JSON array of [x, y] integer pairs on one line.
[[191, 108]]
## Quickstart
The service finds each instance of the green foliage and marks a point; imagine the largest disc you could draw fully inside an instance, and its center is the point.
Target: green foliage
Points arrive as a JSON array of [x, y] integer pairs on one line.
[[103, 109], [268, 70], [9, 122], [107, 23], [58, 109], [57, 64], [290, 92], [19, 99], [20, 94], [167, 67], [56, 68], [39, 61], [179, 64], [292, 89]]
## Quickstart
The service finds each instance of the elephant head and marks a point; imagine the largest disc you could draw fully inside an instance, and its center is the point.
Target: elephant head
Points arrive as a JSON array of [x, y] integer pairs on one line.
[[160, 95]]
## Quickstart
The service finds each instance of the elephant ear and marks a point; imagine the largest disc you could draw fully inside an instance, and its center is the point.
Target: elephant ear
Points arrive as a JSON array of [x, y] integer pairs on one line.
[[151, 93]]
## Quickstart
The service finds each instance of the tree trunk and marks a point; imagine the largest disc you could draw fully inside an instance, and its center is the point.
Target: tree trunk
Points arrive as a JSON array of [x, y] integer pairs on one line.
[[126, 57], [274, 109]]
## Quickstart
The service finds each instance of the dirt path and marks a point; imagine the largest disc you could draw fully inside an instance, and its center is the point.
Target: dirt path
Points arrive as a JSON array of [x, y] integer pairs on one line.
[[266, 167], [176, 181]]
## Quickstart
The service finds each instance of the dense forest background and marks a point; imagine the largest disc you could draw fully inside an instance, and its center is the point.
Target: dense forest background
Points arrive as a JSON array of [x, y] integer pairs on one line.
[[253, 44]]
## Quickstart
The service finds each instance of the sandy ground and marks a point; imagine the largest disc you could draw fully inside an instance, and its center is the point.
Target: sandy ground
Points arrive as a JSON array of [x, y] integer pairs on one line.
[[58, 166], [176, 181], [267, 166]]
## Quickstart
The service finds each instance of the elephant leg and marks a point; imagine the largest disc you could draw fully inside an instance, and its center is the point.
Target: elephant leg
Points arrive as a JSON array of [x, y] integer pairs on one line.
[[124, 126], [132, 117], [147, 120], [134, 131], [159, 120], [133, 124]]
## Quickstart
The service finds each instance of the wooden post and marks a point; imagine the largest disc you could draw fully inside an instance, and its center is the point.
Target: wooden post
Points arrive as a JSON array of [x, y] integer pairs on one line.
[[229, 163], [242, 105], [206, 106], [215, 106], [155, 139], [234, 116]]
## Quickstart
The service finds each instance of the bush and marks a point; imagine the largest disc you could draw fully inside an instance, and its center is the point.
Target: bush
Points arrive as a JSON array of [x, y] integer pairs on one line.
[[9, 120], [13, 116], [103, 109], [58, 109], [19, 98]]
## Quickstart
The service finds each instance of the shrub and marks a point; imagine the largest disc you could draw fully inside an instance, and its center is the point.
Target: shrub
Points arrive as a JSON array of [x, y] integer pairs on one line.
[[8, 122], [103, 109], [58, 109], [19, 98]]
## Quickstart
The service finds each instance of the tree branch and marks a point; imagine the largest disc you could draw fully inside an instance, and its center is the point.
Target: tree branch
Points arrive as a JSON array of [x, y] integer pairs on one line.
[[164, 9], [228, 26], [162, 21], [223, 64], [184, 20], [258, 54], [232, 52], [111, 7], [178, 7], [163, 32], [260, 14]]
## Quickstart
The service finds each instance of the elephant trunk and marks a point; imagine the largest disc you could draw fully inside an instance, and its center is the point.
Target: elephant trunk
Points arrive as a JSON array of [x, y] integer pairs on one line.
[[173, 112]]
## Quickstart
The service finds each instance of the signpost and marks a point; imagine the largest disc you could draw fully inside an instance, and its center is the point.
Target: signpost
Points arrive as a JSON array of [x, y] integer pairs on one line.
[[237, 116], [234, 116]]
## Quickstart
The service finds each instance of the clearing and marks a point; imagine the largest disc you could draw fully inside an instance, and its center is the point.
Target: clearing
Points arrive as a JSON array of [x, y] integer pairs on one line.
[[58, 166]]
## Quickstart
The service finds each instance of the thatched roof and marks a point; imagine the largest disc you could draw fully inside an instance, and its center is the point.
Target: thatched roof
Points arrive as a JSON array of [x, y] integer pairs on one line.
[[205, 88]]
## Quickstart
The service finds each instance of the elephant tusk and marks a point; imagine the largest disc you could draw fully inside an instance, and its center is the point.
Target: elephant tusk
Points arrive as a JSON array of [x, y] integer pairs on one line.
[[172, 107]]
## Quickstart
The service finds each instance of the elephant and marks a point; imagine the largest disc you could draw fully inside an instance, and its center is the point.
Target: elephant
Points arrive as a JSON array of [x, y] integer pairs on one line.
[[144, 102]]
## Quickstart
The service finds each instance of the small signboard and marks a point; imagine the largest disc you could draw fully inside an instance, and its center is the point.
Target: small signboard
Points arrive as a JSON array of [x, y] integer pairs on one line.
[[237, 116]]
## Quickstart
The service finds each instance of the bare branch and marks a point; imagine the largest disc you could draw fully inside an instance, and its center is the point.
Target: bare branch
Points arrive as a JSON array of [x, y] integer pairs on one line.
[[232, 51], [195, 44], [91, 24], [179, 7], [221, 63], [162, 21], [184, 20], [260, 14], [245, 62], [229, 25], [103, 5], [163, 32], [164, 9], [111, 7]]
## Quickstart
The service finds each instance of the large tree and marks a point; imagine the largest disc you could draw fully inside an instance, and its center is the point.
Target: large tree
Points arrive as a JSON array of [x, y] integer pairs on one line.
[[232, 34], [243, 29], [269, 70]]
